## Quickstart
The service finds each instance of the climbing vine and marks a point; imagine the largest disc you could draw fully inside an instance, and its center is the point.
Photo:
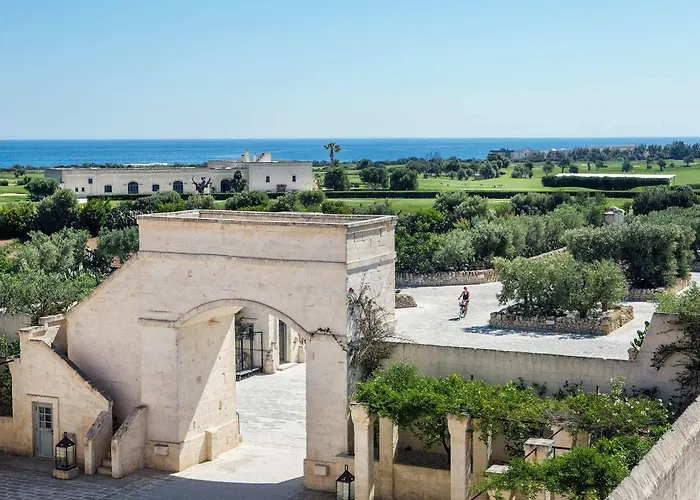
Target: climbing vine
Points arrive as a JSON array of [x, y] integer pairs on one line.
[[422, 404], [368, 346]]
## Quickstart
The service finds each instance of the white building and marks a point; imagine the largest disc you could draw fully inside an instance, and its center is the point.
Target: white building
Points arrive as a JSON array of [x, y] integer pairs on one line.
[[261, 174]]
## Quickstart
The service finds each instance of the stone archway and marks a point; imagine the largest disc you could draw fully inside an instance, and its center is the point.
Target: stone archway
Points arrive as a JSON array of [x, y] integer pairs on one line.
[[196, 270]]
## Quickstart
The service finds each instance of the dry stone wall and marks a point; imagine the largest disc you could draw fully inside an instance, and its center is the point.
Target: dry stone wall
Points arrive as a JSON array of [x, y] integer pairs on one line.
[[647, 294], [608, 322], [476, 277]]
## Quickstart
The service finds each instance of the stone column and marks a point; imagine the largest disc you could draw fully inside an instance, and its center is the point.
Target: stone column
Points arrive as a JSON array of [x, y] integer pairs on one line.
[[481, 453], [364, 451], [388, 441], [460, 466], [537, 451]]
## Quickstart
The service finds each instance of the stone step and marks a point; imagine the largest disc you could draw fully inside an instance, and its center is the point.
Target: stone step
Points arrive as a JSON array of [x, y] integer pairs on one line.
[[107, 462], [109, 453], [286, 366], [105, 471]]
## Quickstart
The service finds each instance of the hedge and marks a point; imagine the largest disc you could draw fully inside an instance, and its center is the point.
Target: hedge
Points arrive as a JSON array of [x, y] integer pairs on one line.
[[602, 182], [132, 197], [491, 193]]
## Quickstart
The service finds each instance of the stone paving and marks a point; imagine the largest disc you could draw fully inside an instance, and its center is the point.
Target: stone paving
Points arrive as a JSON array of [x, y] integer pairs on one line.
[[435, 322], [268, 465]]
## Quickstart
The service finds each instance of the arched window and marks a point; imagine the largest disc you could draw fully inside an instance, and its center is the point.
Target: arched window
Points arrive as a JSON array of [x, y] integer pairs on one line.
[[226, 185], [132, 188], [178, 187]]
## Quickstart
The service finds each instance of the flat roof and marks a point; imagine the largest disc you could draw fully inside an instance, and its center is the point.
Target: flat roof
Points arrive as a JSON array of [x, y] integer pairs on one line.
[[272, 218], [639, 176]]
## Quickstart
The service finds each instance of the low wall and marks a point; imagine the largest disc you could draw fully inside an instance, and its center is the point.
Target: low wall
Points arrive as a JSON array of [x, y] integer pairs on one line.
[[602, 325], [98, 441], [670, 470], [11, 323], [647, 294], [421, 483], [476, 277], [129, 444], [7, 435]]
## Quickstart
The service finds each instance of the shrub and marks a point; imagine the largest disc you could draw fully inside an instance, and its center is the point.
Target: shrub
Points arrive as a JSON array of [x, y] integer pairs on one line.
[[40, 187], [200, 202], [459, 205], [56, 212], [286, 203], [558, 284], [336, 178], [335, 207], [93, 215], [247, 199], [16, 219], [455, 251], [120, 217], [160, 202], [4, 182], [403, 179], [119, 243], [652, 255], [310, 199], [655, 198], [24, 180], [377, 208], [537, 203], [375, 177]]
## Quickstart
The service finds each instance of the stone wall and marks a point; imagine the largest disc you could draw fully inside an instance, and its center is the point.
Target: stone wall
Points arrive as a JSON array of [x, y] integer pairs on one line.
[[502, 366], [98, 441], [477, 277], [647, 294], [608, 322], [129, 444], [670, 470], [11, 323], [420, 483]]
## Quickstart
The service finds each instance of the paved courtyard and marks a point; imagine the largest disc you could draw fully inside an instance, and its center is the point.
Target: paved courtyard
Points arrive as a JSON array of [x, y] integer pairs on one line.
[[435, 322], [268, 465]]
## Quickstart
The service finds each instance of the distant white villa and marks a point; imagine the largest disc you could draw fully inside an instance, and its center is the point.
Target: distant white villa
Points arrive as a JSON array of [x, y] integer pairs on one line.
[[260, 172]]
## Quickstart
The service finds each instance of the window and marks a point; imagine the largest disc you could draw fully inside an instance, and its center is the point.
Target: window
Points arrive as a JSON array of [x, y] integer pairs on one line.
[[294, 178], [132, 188], [267, 178], [108, 188], [178, 187], [76, 190], [155, 187], [82, 189], [89, 180]]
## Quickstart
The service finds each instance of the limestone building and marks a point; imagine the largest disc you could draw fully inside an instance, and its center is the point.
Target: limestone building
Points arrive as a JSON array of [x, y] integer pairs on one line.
[[260, 172]]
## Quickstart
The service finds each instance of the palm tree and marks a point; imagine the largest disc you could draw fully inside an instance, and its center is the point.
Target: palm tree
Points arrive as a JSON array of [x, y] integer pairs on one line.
[[332, 148]]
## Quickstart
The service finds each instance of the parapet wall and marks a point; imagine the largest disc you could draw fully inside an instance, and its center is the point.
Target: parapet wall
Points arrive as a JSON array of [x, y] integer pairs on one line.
[[670, 470]]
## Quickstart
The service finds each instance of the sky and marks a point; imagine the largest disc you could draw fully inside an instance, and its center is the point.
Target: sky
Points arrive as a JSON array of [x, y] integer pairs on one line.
[[87, 69]]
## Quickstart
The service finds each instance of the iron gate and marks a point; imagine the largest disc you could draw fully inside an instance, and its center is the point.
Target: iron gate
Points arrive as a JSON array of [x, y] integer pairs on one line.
[[249, 351]]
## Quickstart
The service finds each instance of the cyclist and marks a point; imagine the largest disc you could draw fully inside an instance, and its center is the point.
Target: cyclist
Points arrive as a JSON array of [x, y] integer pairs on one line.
[[464, 302]]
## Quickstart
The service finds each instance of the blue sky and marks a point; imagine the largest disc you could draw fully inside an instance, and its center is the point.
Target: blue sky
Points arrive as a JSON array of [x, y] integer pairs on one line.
[[383, 68]]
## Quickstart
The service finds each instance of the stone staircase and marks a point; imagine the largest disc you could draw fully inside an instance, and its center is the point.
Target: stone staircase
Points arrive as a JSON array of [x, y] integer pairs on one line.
[[106, 468]]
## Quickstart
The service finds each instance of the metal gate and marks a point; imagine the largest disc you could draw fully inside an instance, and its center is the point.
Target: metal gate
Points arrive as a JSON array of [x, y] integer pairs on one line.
[[249, 351], [282, 342]]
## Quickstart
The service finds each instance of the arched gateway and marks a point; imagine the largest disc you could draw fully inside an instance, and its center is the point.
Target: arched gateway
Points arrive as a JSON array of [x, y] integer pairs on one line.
[[160, 332]]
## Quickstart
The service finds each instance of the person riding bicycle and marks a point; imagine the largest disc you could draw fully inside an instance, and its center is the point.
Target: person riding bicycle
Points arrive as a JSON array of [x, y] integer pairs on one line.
[[464, 301]]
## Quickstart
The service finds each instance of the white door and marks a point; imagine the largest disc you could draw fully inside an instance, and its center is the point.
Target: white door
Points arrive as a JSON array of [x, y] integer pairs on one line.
[[43, 430]]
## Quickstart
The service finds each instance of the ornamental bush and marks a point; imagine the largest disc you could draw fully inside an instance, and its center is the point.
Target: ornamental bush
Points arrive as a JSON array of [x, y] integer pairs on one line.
[[651, 254], [655, 198], [16, 219], [559, 284], [247, 199]]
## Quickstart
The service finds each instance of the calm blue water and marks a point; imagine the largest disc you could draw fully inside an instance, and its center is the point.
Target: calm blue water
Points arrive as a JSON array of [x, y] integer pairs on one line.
[[52, 153]]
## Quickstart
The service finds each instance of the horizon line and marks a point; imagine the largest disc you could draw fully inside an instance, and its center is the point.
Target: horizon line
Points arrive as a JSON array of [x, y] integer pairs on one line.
[[348, 138]]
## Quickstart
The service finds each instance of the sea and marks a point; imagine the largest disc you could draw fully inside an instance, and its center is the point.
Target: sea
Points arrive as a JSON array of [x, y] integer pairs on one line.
[[48, 153]]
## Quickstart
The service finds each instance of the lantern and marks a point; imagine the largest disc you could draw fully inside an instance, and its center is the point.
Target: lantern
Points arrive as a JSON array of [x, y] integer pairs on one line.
[[65, 453], [345, 486]]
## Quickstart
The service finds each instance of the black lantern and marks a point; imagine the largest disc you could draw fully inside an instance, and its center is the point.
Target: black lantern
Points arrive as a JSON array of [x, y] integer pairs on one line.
[[345, 486], [65, 453]]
